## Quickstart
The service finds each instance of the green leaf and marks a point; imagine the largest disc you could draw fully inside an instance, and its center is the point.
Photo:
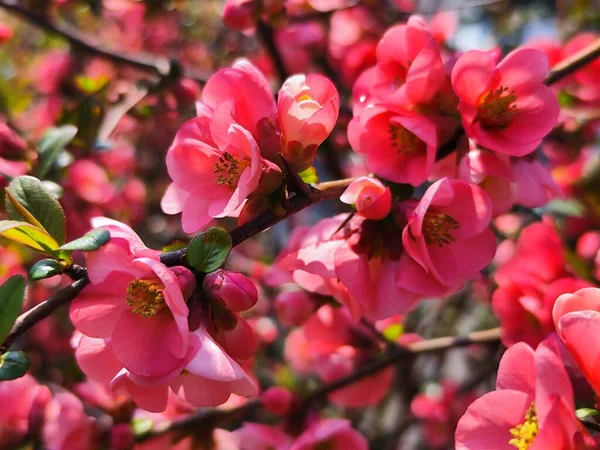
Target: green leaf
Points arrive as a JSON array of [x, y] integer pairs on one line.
[[53, 142], [89, 242], [209, 250], [31, 194], [12, 295], [29, 235], [45, 268], [582, 413], [13, 365], [309, 175], [569, 208], [393, 332]]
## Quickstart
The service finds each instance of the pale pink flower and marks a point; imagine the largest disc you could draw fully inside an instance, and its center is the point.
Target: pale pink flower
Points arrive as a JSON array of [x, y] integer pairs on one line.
[[399, 146], [136, 302], [308, 107], [447, 233], [371, 198], [334, 434], [532, 406], [505, 107], [577, 320]]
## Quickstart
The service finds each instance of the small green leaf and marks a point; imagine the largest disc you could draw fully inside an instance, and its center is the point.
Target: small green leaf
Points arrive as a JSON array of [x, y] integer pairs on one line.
[[309, 175], [88, 242], [34, 197], [583, 413], [142, 425], [53, 142], [29, 235], [13, 365], [393, 332], [12, 295], [209, 250], [45, 268], [569, 208]]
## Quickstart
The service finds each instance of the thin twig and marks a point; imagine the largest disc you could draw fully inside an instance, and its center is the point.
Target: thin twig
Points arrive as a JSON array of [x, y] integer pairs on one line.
[[575, 62], [156, 65]]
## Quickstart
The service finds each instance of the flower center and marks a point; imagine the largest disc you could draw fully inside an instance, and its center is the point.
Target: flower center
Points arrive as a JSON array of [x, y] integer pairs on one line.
[[525, 433], [437, 228], [496, 108], [304, 97], [146, 297], [404, 141], [229, 169]]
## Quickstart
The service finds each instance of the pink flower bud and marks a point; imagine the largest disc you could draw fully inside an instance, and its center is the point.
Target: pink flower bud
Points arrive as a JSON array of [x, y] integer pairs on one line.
[[186, 279], [277, 400], [238, 14], [372, 199], [588, 245], [293, 308], [6, 33], [265, 330], [232, 289], [308, 110], [239, 342]]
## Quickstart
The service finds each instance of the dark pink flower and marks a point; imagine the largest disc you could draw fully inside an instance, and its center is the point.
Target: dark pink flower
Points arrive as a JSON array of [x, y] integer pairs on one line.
[[505, 107]]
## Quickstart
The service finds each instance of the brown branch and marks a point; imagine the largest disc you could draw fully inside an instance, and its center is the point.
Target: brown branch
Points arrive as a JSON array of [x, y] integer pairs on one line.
[[43, 310], [392, 357], [267, 35], [156, 65], [575, 62], [318, 192]]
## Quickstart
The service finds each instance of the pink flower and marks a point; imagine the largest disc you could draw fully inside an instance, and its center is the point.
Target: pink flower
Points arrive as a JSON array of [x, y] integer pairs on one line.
[[439, 409], [334, 434], [505, 108], [534, 187], [324, 345], [215, 165], [525, 308], [398, 146], [137, 303], [238, 14], [6, 33], [308, 109], [234, 290], [447, 233], [90, 182], [66, 426], [24, 399], [51, 71], [293, 308], [587, 77], [254, 436], [531, 408], [577, 320], [371, 198], [277, 400]]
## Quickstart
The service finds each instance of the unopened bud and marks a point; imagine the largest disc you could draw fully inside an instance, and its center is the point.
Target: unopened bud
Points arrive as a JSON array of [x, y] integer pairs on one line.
[[235, 291]]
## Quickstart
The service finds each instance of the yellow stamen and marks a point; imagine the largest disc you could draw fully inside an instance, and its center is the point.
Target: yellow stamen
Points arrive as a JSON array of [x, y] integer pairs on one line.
[[437, 228], [496, 108], [304, 97], [230, 169], [404, 141], [525, 433], [145, 297]]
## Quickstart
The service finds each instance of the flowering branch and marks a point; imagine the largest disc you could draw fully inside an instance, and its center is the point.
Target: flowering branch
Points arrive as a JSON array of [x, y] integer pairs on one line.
[[392, 356], [322, 191], [156, 65]]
